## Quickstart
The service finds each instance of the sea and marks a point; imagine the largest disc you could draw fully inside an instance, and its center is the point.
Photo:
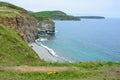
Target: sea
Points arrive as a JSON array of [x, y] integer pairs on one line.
[[86, 40]]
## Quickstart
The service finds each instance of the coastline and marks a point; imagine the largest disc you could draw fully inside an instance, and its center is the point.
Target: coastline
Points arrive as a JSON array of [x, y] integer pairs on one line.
[[46, 53]]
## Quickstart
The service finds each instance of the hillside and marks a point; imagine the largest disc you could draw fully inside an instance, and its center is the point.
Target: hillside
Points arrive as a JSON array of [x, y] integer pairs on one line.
[[13, 50], [9, 5], [55, 15]]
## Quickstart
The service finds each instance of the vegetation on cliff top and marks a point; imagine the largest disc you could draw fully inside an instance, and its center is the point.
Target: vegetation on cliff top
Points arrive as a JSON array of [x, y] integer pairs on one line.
[[56, 15], [9, 5], [10, 10]]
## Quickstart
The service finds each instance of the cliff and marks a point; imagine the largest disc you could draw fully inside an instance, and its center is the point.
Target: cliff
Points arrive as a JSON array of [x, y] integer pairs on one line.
[[27, 25]]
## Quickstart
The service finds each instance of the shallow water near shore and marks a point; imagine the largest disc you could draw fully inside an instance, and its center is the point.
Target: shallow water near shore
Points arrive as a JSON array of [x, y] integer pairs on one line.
[[86, 40]]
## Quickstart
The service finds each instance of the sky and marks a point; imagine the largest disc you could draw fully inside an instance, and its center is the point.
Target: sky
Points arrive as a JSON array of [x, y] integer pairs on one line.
[[73, 7]]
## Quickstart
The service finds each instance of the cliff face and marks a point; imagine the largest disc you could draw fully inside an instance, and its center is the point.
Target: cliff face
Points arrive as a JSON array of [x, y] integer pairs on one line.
[[19, 19], [47, 26], [28, 27]]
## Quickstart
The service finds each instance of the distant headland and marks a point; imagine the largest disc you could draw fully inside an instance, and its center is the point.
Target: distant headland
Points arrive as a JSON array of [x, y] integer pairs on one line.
[[55, 15], [92, 17]]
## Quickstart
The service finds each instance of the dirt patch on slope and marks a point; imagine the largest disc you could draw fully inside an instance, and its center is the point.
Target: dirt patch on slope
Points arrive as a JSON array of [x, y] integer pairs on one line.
[[33, 68]]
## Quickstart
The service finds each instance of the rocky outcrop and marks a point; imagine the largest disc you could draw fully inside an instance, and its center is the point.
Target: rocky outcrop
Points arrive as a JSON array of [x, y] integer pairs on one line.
[[28, 27], [46, 26]]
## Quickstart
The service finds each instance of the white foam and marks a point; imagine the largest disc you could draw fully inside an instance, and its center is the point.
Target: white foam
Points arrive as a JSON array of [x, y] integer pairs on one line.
[[56, 31], [41, 39], [51, 51]]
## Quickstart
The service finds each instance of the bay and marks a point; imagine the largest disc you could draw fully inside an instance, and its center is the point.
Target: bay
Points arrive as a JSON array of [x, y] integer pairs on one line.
[[87, 40]]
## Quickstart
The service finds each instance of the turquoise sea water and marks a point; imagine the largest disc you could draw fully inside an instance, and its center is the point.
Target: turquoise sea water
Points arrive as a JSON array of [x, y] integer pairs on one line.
[[87, 40]]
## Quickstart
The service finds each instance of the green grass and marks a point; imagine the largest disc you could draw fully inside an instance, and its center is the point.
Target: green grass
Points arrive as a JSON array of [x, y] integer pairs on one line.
[[57, 15], [77, 71], [10, 10], [13, 50], [50, 13], [4, 14]]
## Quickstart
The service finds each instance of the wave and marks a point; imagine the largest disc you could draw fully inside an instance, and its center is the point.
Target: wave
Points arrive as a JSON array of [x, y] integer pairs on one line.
[[56, 31], [51, 51], [41, 39], [44, 39]]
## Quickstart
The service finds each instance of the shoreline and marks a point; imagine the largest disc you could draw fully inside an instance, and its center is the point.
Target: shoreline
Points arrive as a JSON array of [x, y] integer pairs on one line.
[[46, 53]]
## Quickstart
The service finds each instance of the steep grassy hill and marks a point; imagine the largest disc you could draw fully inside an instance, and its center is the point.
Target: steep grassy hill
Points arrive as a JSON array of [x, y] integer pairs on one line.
[[56, 15], [13, 50]]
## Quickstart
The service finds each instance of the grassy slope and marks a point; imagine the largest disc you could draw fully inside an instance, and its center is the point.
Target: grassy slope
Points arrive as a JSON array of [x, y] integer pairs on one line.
[[10, 10], [77, 71], [9, 5], [13, 49]]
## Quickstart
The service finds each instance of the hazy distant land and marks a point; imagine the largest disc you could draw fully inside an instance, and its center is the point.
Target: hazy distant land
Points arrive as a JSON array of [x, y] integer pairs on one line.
[[92, 17]]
